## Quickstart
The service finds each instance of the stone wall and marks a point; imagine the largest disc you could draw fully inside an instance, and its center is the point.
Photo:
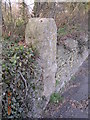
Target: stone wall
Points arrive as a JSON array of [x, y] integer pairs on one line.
[[68, 61], [54, 60]]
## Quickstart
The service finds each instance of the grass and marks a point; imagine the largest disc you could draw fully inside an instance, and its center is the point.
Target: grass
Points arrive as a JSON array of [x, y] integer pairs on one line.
[[57, 82], [56, 98]]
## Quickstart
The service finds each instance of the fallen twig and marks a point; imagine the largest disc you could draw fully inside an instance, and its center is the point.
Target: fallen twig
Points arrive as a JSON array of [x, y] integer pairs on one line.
[[24, 81]]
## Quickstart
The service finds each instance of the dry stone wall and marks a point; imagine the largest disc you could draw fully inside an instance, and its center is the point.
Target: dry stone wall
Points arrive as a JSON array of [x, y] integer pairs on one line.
[[68, 61]]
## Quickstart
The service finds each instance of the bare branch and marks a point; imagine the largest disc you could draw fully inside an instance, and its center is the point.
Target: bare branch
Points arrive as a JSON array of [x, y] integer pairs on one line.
[[24, 81]]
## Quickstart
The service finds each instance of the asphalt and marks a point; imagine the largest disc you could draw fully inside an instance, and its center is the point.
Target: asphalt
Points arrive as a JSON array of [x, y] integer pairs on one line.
[[75, 103]]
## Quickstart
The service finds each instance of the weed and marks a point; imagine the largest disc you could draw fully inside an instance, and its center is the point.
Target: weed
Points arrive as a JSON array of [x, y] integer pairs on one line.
[[73, 78], [62, 31], [56, 98], [57, 82]]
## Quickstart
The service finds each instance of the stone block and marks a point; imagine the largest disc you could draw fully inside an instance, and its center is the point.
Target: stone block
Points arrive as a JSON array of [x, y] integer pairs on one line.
[[42, 34]]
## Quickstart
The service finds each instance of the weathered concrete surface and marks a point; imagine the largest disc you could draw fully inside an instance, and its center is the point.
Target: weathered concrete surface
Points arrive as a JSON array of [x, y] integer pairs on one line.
[[68, 62], [42, 34]]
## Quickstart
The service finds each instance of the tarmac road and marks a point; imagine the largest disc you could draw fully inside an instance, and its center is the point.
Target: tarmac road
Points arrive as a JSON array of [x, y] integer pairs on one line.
[[75, 103]]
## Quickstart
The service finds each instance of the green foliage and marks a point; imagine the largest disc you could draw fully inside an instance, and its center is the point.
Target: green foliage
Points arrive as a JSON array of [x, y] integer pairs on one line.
[[17, 59], [56, 98], [73, 78], [62, 31], [57, 82], [19, 22]]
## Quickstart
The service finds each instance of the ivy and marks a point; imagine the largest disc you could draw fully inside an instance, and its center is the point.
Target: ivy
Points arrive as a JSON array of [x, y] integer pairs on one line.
[[18, 70]]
